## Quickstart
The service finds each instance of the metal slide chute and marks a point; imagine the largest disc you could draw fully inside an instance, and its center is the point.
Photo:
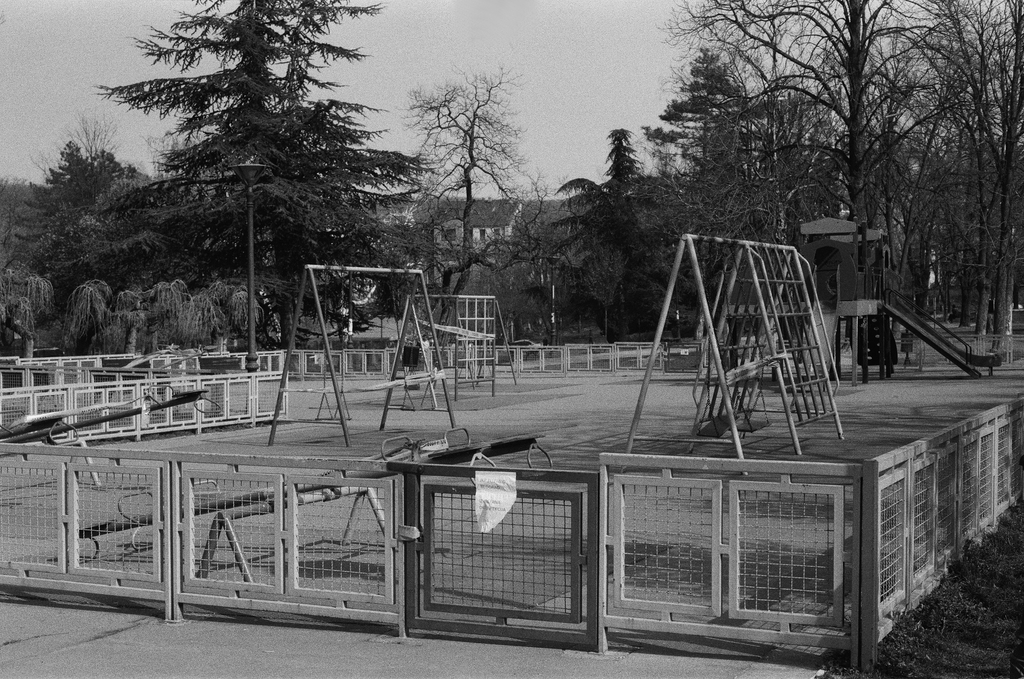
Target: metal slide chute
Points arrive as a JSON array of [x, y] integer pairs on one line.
[[936, 335]]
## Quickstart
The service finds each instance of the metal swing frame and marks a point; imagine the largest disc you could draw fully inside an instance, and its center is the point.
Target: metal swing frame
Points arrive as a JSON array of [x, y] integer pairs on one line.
[[309, 278], [771, 303]]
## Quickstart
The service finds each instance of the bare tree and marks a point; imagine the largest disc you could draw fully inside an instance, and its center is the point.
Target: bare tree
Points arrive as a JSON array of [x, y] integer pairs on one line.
[[979, 48], [471, 142], [838, 54]]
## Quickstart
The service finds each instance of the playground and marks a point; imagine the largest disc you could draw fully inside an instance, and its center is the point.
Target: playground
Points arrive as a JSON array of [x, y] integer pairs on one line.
[[749, 503]]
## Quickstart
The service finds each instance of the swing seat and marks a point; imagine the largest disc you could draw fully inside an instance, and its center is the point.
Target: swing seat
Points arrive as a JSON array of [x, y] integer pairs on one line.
[[718, 427]]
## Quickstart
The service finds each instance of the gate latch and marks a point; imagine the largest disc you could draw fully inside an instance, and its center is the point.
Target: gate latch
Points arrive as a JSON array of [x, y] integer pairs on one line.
[[409, 533]]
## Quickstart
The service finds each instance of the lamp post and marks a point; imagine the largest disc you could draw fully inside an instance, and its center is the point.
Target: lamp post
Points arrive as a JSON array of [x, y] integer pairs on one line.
[[250, 173], [552, 261]]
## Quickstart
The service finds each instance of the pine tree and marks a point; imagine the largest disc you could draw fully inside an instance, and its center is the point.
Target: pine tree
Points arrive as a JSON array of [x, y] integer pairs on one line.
[[250, 90]]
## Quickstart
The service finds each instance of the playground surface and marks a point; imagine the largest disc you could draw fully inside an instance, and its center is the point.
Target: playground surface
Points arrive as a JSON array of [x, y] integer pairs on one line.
[[576, 418]]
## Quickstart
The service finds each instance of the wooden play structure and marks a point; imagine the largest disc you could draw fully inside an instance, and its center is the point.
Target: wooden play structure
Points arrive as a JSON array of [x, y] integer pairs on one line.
[[760, 321], [853, 279], [406, 373]]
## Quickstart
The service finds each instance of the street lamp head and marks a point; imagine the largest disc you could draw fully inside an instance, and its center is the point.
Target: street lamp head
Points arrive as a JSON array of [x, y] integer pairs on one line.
[[249, 172]]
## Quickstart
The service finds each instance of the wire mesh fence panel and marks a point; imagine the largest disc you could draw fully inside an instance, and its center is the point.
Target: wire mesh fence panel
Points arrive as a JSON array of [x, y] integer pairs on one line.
[[1016, 451], [216, 394], [343, 538], [945, 504], [986, 467], [667, 544], [116, 520], [526, 567], [1004, 461], [31, 499], [233, 530], [923, 510], [969, 488], [892, 532], [13, 378], [266, 396], [313, 363], [238, 399], [89, 398], [786, 553], [121, 395], [13, 408]]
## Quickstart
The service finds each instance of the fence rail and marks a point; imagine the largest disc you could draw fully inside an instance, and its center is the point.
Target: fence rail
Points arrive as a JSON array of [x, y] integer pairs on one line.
[[819, 554], [532, 360], [227, 531], [229, 400], [569, 359], [738, 549]]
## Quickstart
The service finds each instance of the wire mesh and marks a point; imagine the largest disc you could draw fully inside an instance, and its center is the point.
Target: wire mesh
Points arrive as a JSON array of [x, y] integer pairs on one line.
[[238, 399], [890, 540], [969, 488], [233, 528], [266, 396], [1016, 447], [1004, 463], [14, 408], [667, 537], [985, 478], [785, 552], [114, 520], [945, 504], [524, 566], [12, 378], [30, 509], [121, 395], [340, 539], [924, 509]]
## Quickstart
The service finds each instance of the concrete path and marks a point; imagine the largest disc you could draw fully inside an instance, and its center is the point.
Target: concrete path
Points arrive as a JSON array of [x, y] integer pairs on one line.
[[578, 417]]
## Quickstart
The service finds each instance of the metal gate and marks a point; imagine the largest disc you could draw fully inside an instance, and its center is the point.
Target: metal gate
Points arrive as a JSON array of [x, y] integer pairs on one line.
[[532, 573]]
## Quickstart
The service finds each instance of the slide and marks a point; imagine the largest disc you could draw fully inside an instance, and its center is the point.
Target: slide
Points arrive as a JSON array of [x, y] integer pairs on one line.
[[936, 335]]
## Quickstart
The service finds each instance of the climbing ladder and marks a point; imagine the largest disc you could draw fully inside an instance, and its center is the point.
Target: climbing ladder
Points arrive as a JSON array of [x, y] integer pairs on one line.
[[760, 320], [469, 327]]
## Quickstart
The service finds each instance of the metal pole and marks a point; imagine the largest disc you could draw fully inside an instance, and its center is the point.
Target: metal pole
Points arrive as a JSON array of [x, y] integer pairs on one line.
[[252, 363]]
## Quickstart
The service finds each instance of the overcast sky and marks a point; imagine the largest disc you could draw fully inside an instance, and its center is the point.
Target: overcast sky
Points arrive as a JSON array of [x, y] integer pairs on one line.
[[586, 67]]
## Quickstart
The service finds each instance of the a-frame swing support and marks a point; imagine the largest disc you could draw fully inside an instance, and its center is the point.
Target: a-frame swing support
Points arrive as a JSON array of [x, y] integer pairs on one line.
[[770, 303], [309, 277]]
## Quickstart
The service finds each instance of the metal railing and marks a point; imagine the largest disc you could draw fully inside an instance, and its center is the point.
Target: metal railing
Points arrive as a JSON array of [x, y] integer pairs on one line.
[[738, 549], [226, 531], [229, 400], [575, 359], [794, 552]]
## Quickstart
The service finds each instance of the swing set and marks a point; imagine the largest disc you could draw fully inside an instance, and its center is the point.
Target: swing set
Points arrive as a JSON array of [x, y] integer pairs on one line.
[[761, 319], [407, 357]]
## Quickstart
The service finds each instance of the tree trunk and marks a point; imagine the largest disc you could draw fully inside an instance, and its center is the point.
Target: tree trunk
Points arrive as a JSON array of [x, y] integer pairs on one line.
[[28, 338]]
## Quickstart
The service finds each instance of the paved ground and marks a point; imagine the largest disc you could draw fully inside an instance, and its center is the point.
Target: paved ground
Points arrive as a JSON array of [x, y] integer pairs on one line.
[[578, 418]]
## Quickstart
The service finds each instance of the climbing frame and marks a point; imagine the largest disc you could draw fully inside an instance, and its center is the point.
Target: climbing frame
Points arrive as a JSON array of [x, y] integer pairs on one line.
[[469, 326], [760, 321]]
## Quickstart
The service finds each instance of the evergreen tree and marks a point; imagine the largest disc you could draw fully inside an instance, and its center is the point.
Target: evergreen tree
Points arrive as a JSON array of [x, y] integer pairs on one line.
[[250, 91], [617, 261], [76, 239], [81, 178]]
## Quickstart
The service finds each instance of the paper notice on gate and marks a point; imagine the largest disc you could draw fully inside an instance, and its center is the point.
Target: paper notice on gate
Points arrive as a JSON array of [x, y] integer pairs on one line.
[[495, 495]]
